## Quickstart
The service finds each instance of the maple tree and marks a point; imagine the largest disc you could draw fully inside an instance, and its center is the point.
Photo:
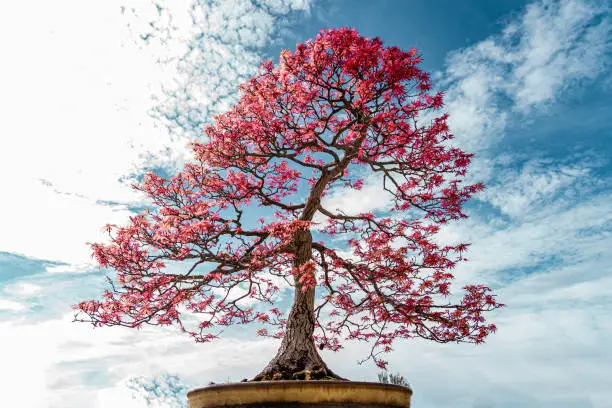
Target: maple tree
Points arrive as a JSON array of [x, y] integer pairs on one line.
[[336, 109]]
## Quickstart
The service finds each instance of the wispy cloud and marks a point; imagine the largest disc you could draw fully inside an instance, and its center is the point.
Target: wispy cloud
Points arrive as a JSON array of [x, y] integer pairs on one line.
[[552, 49], [102, 94], [23, 289], [73, 362], [351, 201], [212, 46], [530, 187], [11, 305]]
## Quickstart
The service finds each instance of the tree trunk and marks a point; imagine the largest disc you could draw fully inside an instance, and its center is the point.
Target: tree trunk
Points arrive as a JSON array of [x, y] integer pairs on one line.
[[298, 358]]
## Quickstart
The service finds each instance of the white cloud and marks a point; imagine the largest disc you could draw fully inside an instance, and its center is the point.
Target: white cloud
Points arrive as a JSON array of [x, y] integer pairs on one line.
[[220, 45], [69, 363], [23, 289], [551, 49], [163, 391], [371, 197], [558, 232], [560, 44], [120, 396], [74, 130], [70, 268], [535, 184], [6, 304], [53, 226], [85, 98], [475, 119]]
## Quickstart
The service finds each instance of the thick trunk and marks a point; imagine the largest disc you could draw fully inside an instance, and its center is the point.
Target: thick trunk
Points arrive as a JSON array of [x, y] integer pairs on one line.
[[298, 358]]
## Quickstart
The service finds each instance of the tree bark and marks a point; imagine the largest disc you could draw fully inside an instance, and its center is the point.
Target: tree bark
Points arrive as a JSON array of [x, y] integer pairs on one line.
[[298, 358]]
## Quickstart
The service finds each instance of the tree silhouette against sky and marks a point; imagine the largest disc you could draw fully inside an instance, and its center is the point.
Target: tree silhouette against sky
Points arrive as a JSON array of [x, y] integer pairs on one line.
[[338, 109]]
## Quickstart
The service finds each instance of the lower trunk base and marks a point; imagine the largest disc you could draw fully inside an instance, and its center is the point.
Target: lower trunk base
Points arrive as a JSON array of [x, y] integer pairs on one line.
[[279, 374], [292, 364]]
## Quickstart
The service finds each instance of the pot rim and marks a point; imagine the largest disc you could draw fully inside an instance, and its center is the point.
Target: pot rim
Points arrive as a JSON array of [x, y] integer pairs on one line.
[[299, 383]]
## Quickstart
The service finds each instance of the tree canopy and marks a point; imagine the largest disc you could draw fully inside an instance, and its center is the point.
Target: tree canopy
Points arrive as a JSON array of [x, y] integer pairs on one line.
[[331, 113]]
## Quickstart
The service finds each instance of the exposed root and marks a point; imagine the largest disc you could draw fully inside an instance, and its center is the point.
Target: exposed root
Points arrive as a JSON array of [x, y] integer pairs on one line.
[[320, 374]]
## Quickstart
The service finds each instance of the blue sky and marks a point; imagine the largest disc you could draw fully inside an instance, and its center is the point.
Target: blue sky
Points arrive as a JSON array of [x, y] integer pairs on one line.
[[96, 93]]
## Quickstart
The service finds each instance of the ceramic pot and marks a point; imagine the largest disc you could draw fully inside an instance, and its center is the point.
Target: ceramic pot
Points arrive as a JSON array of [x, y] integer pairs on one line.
[[301, 394]]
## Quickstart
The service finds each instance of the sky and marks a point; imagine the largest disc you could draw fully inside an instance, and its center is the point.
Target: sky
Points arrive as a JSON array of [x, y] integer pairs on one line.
[[95, 94]]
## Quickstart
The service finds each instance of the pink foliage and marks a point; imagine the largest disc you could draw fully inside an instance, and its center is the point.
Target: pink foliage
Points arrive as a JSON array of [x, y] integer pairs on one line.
[[338, 100]]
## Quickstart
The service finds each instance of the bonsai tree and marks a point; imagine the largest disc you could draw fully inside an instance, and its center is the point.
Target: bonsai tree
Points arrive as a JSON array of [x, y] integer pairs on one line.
[[334, 112]]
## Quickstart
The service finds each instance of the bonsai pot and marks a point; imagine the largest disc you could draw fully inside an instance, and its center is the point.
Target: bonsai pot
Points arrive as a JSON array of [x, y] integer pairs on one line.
[[302, 394]]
